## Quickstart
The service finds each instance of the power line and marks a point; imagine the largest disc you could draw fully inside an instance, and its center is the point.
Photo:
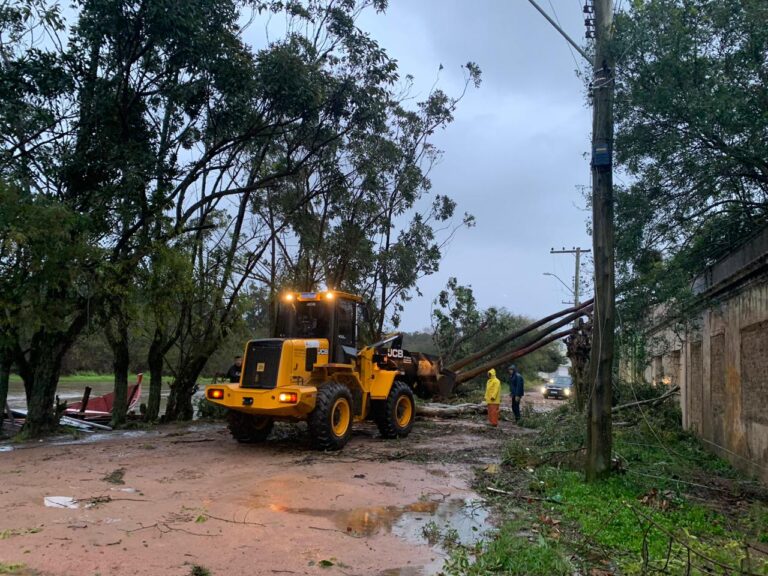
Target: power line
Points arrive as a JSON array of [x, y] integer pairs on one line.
[[576, 62], [563, 33]]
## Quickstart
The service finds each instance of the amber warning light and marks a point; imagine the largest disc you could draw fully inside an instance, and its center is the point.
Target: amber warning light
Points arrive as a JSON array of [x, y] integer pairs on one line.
[[216, 394], [289, 397]]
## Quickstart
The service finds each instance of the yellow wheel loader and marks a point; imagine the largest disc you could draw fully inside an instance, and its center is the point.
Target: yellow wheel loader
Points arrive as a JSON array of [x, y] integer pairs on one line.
[[313, 371]]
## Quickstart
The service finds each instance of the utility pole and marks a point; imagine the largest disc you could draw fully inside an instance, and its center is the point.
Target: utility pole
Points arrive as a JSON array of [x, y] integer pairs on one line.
[[576, 355], [599, 432], [577, 276], [599, 23]]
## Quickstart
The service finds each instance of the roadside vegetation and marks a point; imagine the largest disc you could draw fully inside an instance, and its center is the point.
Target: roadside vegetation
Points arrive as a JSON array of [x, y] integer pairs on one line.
[[153, 206], [671, 507]]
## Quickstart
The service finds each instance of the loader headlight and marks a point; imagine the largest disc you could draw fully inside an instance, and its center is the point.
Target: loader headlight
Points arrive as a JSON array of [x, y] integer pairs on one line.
[[288, 397], [216, 394]]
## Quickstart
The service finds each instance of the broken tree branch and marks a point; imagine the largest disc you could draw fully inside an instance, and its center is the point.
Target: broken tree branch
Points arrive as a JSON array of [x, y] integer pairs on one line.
[[653, 401]]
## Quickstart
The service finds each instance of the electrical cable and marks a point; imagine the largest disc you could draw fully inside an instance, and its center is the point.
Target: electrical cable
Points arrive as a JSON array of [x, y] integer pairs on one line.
[[575, 61]]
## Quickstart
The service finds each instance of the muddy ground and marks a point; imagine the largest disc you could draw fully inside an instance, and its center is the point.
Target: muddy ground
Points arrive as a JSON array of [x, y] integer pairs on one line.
[[165, 500]]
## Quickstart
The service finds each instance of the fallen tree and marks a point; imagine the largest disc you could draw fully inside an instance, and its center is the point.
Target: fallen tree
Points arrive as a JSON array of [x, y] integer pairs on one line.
[[439, 410], [572, 314], [531, 346]]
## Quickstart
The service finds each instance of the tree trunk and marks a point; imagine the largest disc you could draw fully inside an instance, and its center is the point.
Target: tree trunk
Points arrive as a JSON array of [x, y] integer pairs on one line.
[[579, 345], [5, 376], [180, 399], [118, 341], [572, 314], [155, 358], [40, 373], [41, 390]]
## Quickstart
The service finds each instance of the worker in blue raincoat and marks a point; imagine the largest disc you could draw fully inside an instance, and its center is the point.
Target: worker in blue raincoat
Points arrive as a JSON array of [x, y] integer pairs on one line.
[[516, 390]]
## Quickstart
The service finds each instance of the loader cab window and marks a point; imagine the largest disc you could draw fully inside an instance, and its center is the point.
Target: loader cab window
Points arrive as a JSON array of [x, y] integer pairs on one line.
[[346, 330], [347, 326], [334, 320], [312, 320], [304, 320]]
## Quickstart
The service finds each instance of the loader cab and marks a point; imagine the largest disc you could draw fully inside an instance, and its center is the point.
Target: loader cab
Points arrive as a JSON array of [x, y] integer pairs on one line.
[[330, 314]]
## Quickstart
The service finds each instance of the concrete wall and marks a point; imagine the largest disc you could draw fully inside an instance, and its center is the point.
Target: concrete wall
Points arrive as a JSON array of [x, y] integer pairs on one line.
[[722, 367], [727, 389]]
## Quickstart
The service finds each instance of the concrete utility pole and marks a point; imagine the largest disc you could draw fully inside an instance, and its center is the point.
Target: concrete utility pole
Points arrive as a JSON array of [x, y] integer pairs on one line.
[[577, 276], [599, 436]]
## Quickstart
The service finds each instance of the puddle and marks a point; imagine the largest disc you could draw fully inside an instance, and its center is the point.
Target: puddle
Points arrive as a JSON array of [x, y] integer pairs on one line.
[[464, 521], [101, 436], [365, 521], [468, 518], [87, 438]]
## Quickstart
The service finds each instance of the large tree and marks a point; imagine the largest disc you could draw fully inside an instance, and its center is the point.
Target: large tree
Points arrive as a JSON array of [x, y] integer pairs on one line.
[[373, 229], [692, 134], [174, 158], [135, 124]]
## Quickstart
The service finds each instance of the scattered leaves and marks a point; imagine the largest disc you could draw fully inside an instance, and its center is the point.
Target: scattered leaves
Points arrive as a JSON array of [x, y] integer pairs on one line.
[[115, 477]]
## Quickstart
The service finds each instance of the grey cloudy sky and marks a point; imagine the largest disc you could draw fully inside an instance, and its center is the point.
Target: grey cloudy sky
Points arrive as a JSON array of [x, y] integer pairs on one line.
[[514, 156]]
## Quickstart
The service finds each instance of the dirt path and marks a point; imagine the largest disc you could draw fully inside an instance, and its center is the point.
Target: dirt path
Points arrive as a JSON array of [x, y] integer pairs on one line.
[[192, 496]]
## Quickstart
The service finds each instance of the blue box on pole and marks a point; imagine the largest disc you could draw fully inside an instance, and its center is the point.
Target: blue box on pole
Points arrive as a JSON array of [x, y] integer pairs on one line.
[[602, 155]]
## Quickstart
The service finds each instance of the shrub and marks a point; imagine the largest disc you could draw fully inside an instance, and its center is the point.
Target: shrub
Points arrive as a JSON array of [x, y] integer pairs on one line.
[[209, 411]]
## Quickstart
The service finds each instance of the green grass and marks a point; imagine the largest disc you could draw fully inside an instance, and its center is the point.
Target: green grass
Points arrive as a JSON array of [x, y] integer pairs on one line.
[[613, 516], [515, 551], [75, 378], [670, 497], [86, 377], [12, 569]]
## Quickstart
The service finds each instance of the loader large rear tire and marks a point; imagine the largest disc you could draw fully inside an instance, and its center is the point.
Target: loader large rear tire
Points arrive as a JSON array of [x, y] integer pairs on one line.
[[330, 423], [248, 428], [394, 416]]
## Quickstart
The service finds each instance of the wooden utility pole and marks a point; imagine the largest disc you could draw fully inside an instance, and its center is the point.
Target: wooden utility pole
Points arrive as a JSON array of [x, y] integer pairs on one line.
[[577, 276], [577, 343], [599, 437], [599, 22]]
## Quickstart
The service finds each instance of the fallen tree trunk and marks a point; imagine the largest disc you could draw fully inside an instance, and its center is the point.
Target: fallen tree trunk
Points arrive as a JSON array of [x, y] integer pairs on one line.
[[509, 356], [652, 401], [574, 312], [438, 410]]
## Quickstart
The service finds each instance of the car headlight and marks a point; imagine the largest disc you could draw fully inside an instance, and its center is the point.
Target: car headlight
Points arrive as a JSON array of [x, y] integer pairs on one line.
[[567, 391], [543, 389]]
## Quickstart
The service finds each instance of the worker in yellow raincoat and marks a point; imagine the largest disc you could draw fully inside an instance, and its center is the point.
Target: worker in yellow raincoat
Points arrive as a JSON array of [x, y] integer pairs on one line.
[[493, 397]]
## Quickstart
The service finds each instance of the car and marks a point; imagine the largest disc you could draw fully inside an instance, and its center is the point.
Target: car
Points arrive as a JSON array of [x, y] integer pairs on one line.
[[558, 387]]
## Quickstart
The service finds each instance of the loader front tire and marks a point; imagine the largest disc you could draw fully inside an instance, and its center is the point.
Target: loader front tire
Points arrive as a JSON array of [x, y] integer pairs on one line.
[[394, 416], [248, 428], [330, 423]]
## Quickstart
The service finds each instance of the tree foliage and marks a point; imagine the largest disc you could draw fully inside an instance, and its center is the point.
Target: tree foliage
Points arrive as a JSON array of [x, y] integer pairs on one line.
[[163, 177], [461, 329], [692, 134]]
